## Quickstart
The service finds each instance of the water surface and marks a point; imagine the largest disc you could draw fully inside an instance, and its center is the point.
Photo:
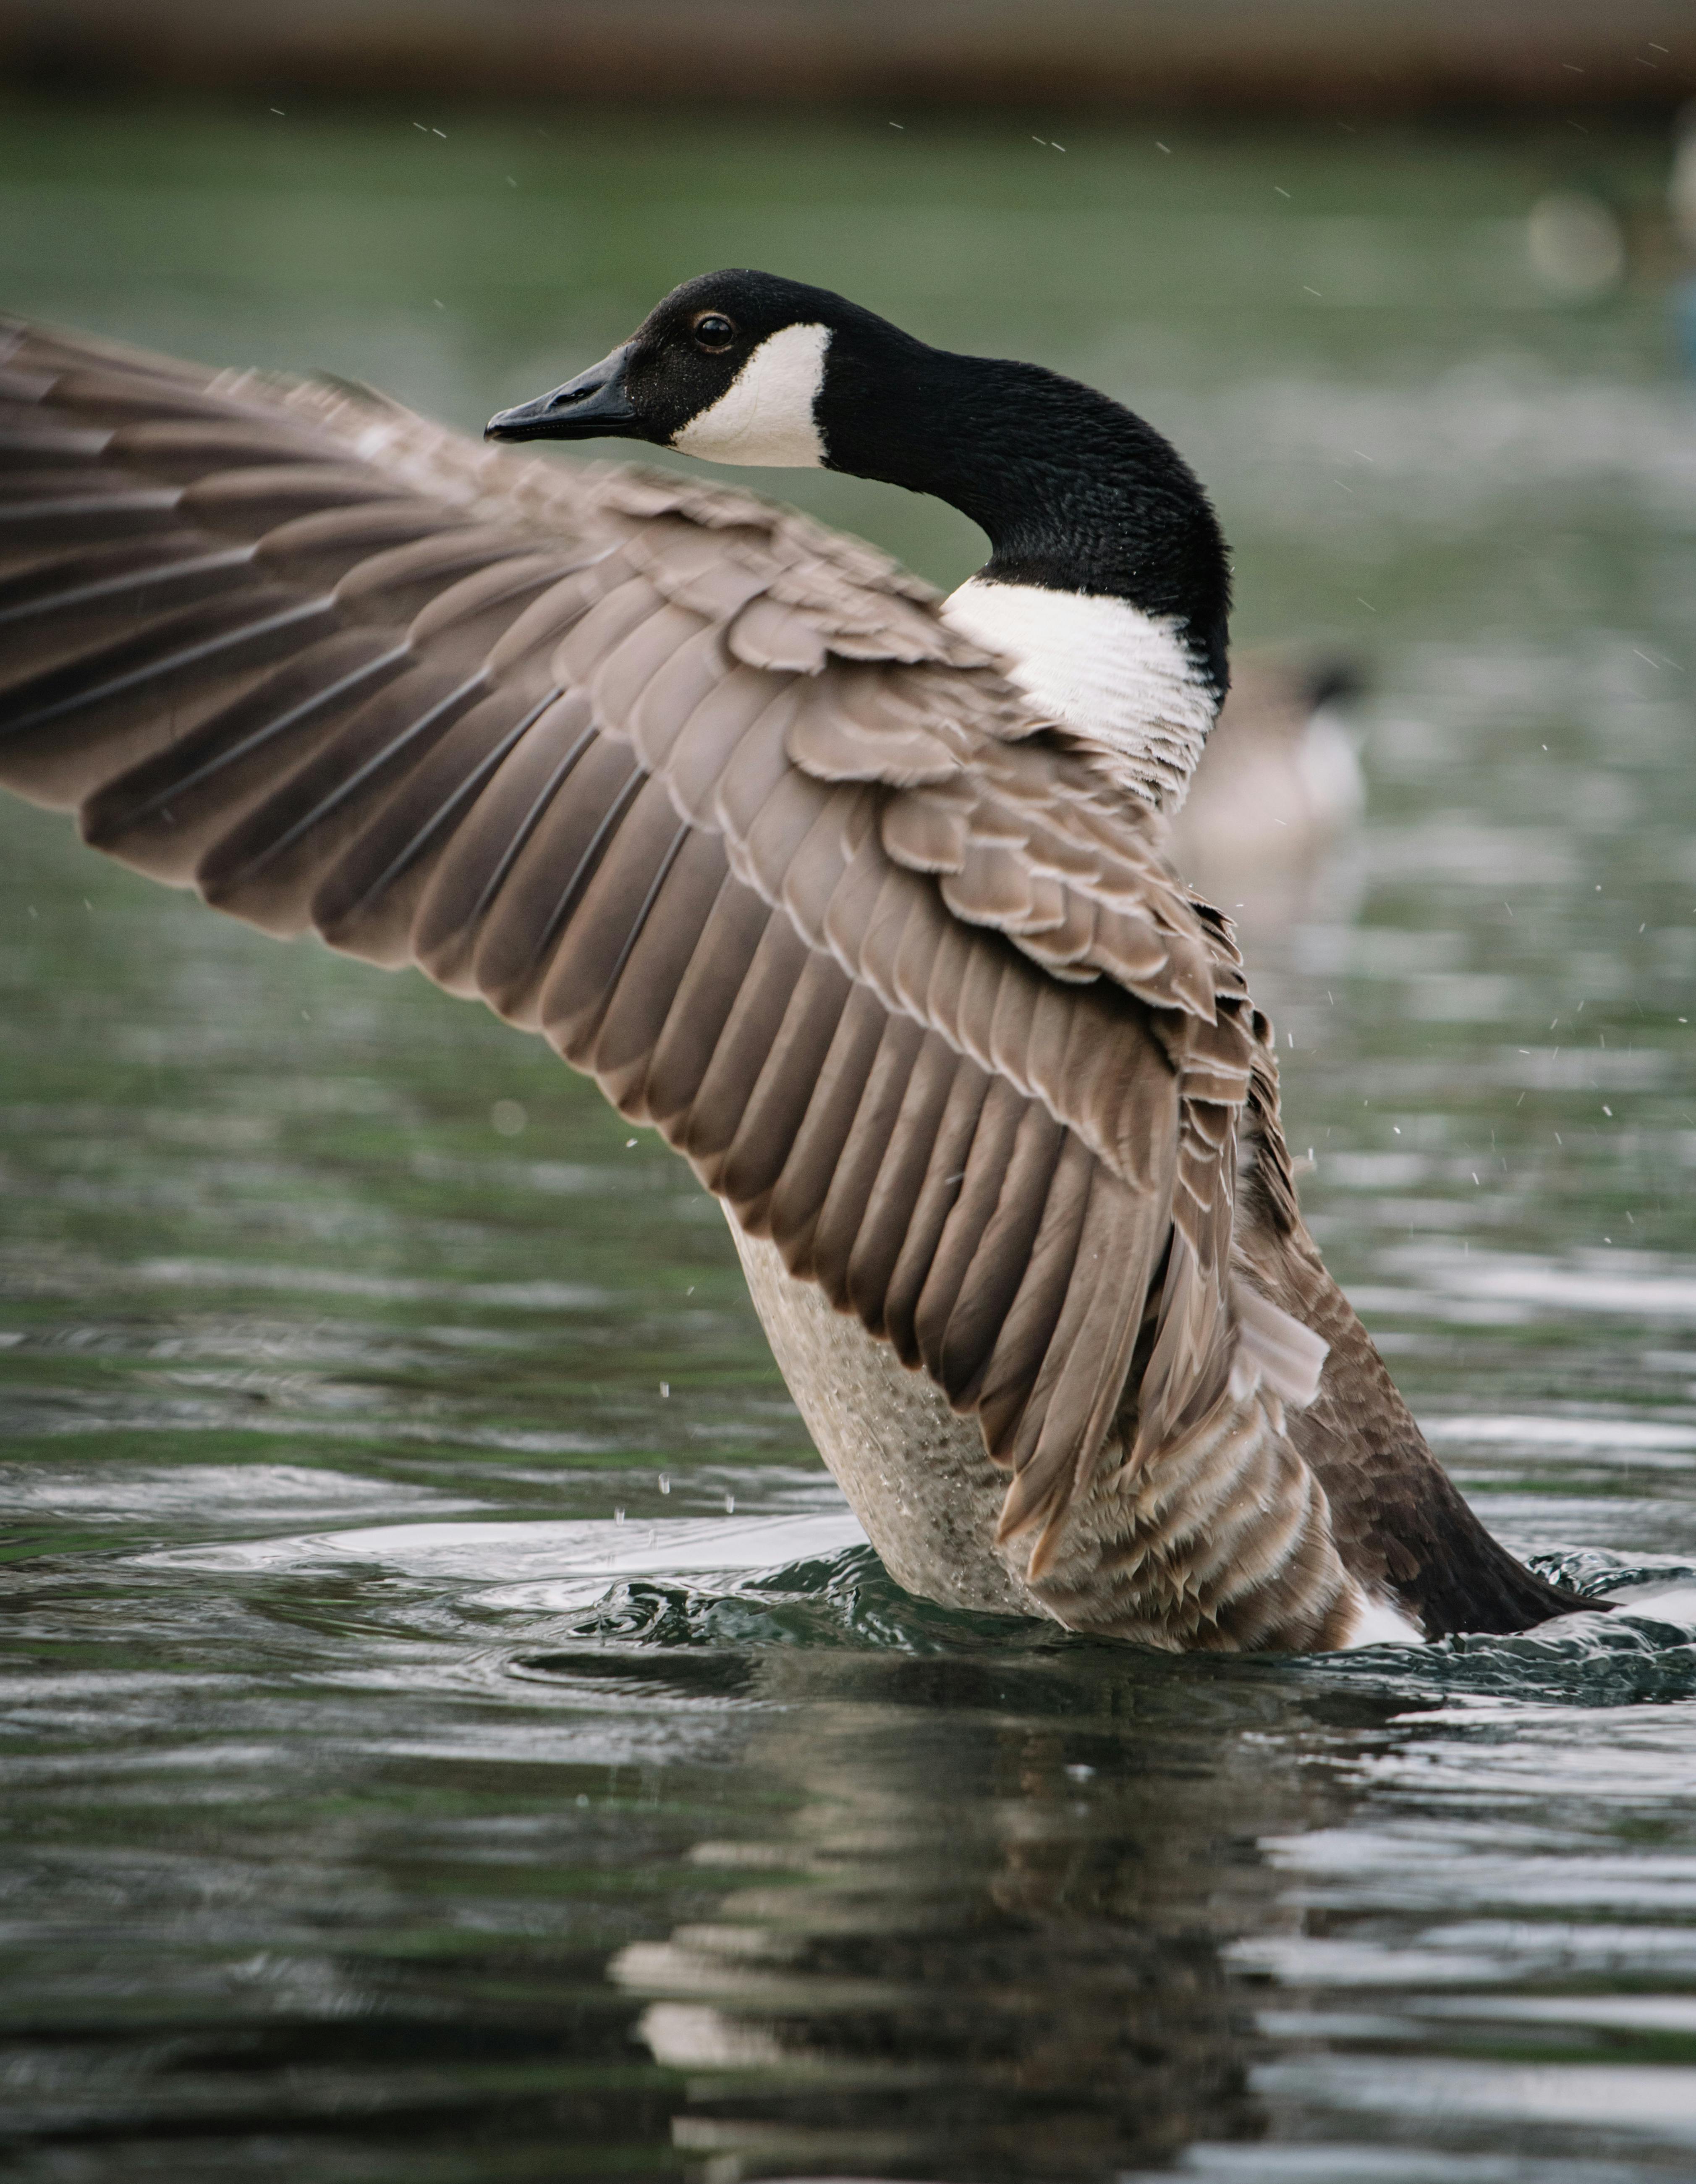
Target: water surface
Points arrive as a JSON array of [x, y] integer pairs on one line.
[[454, 1729]]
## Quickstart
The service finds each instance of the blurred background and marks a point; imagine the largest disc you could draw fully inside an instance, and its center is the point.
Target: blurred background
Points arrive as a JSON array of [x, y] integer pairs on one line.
[[370, 1812]]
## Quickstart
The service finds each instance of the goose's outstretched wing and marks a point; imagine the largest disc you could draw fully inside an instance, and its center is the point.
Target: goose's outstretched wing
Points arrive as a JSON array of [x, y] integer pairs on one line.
[[707, 795]]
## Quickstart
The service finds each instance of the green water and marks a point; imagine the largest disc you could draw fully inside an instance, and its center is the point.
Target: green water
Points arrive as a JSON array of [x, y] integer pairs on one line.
[[451, 1732]]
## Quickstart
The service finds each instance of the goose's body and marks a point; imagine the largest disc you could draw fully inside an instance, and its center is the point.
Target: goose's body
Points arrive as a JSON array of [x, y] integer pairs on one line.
[[860, 900]]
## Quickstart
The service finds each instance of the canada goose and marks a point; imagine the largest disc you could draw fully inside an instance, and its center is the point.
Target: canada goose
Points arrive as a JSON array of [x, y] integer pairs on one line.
[[1278, 782], [857, 897]]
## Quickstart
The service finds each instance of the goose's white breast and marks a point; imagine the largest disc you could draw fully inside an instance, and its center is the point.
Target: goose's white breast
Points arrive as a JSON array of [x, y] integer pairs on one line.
[[1123, 679]]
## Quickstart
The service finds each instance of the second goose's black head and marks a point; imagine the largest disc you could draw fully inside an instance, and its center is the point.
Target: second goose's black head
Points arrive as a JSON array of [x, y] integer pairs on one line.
[[1076, 492]]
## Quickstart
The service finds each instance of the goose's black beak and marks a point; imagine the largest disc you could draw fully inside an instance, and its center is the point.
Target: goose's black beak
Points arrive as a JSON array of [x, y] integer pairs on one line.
[[593, 405]]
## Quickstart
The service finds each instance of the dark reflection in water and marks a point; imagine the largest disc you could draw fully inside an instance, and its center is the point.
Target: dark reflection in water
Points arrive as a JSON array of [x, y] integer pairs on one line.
[[986, 1941], [451, 1730]]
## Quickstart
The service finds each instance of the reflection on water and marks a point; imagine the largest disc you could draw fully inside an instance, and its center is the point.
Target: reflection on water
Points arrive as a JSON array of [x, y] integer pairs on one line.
[[454, 1729], [987, 1939]]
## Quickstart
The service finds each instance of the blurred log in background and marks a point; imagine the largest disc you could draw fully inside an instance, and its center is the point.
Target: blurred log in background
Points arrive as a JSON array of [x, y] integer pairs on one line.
[[1292, 55]]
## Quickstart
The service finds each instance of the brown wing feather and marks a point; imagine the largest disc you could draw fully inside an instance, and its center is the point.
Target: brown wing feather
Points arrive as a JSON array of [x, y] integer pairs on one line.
[[711, 797]]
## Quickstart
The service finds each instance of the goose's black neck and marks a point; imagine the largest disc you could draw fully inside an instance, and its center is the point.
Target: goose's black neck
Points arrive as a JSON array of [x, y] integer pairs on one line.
[[1076, 492]]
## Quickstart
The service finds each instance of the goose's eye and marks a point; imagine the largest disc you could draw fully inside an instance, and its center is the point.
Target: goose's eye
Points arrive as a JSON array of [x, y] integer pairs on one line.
[[714, 332]]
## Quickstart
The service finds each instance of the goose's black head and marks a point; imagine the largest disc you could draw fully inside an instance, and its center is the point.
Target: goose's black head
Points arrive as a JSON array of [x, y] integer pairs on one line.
[[731, 366], [1076, 492]]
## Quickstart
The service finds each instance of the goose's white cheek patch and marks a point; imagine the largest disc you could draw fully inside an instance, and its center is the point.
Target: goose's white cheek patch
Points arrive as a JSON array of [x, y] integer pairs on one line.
[[765, 415]]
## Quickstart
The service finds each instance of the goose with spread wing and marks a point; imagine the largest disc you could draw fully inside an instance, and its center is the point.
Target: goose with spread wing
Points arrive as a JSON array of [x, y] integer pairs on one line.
[[859, 897]]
